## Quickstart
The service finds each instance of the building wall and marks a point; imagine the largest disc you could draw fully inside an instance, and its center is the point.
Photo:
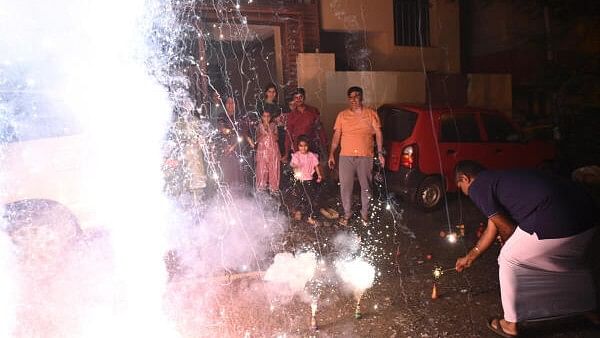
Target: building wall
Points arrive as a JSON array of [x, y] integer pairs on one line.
[[511, 37], [326, 88], [375, 19]]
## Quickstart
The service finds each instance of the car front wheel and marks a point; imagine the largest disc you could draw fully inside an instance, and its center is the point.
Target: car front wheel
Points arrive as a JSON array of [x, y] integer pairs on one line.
[[430, 193]]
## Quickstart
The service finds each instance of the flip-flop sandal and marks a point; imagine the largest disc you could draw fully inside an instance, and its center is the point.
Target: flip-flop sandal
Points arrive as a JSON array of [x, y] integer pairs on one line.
[[498, 329], [365, 221], [325, 213], [329, 213], [334, 214], [343, 221]]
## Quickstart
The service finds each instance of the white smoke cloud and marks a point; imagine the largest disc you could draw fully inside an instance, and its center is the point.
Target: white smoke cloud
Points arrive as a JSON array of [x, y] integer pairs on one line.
[[95, 57], [290, 273], [230, 235], [9, 288]]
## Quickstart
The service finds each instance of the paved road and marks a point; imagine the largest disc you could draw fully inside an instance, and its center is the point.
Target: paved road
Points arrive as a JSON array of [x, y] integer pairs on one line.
[[399, 304]]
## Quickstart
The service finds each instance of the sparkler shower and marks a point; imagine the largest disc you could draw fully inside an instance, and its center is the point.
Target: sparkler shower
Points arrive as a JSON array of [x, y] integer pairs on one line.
[[105, 63], [8, 285], [108, 76]]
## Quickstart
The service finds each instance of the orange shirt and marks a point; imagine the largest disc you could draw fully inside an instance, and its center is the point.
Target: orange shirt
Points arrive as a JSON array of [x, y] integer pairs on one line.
[[357, 131]]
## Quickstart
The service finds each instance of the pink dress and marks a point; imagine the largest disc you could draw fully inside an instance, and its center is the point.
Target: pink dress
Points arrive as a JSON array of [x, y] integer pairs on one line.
[[304, 164], [267, 157]]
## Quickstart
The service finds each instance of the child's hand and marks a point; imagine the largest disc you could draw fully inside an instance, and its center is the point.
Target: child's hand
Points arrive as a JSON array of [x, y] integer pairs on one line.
[[319, 179]]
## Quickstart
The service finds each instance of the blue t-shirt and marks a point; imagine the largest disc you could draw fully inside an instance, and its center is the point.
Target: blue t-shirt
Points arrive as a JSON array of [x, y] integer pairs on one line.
[[552, 208]]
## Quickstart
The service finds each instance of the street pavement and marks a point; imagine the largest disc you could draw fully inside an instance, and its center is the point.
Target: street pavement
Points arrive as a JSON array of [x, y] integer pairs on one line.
[[399, 304]]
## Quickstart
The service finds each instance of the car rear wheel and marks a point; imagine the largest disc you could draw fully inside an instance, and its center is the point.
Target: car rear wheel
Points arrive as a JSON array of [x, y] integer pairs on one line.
[[430, 193]]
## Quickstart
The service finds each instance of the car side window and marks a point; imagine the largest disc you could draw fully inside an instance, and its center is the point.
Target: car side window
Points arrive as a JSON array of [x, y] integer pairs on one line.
[[397, 124], [499, 129], [459, 128]]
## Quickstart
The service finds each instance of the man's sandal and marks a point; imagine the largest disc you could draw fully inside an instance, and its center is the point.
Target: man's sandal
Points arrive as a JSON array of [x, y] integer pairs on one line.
[[343, 221], [329, 213], [494, 325], [365, 220], [312, 221]]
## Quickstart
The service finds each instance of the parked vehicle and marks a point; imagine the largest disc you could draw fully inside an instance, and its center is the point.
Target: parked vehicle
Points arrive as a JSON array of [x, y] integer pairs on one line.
[[41, 154], [423, 145]]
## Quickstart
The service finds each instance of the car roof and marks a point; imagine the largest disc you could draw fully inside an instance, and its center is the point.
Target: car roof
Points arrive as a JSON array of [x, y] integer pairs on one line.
[[437, 109]]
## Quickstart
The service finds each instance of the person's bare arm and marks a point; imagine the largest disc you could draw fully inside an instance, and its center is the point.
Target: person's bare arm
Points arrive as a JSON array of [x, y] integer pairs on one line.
[[379, 141], [485, 241], [335, 141], [504, 225], [319, 173]]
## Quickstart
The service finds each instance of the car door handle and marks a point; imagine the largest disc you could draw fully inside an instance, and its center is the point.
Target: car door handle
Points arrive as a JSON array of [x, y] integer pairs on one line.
[[450, 152]]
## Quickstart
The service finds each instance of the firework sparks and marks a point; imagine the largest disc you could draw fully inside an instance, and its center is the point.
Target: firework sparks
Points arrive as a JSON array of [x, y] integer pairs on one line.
[[359, 275]]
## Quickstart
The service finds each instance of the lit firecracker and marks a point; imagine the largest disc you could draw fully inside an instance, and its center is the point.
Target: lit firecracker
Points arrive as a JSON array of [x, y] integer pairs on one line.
[[360, 275], [452, 237], [438, 272], [357, 312], [313, 318]]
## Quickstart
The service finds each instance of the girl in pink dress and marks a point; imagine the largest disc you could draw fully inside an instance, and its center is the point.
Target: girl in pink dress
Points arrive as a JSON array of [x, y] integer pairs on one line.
[[305, 165], [267, 155]]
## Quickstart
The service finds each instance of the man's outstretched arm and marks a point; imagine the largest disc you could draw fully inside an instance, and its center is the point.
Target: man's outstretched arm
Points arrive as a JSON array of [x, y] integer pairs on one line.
[[486, 240]]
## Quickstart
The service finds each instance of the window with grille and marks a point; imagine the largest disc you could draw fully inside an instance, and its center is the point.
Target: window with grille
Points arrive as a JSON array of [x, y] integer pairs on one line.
[[411, 22]]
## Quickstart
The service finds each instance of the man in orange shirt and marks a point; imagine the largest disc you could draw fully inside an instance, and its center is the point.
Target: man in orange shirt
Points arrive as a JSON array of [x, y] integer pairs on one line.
[[354, 130]]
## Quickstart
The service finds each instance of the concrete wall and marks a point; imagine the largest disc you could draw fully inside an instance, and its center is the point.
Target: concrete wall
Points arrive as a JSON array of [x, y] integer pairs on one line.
[[376, 20], [326, 88]]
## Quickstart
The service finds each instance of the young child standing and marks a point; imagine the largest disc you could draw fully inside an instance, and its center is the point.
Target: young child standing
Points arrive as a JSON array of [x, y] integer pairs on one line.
[[267, 155], [305, 164]]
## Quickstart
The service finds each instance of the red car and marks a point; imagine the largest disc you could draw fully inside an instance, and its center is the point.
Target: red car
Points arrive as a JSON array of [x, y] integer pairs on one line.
[[423, 145]]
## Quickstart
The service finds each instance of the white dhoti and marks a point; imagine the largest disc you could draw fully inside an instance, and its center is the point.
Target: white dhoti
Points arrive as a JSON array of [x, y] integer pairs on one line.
[[545, 278]]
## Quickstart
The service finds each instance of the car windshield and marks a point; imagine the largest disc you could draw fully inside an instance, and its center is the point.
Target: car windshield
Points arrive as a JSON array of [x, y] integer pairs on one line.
[[397, 124], [29, 112]]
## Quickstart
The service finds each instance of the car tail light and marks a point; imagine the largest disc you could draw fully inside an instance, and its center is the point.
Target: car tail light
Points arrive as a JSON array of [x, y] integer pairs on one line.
[[409, 156]]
